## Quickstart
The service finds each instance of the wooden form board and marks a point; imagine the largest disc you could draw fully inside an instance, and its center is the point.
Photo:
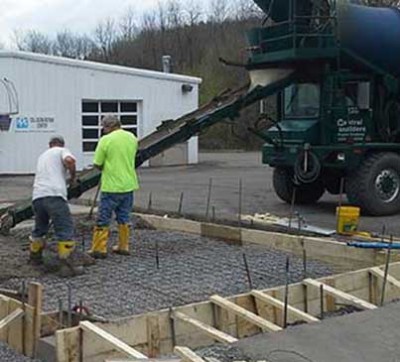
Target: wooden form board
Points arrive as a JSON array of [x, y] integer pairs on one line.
[[187, 354], [279, 304], [381, 274], [207, 329], [332, 251], [12, 317], [245, 314], [110, 339], [17, 329], [133, 330], [351, 299]]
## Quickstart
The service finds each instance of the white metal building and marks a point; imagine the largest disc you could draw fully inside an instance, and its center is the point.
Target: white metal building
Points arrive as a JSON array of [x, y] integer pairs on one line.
[[69, 97]]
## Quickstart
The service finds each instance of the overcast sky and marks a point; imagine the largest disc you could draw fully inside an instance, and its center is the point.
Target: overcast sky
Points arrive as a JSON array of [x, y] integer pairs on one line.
[[50, 16]]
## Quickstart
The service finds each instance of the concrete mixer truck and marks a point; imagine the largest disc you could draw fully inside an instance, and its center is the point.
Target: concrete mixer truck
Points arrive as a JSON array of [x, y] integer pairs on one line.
[[334, 67], [340, 118]]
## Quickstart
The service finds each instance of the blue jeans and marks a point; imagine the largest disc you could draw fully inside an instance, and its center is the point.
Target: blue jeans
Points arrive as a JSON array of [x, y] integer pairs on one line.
[[120, 203], [55, 209]]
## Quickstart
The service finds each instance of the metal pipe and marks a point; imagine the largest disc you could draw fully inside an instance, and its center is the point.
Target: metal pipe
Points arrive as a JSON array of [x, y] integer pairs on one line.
[[23, 300], [208, 197], [246, 266], [60, 313], [375, 245], [321, 293], [341, 191], [386, 270], [80, 332], [172, 327], [157, 256], [69, 305], [292, 208], [180, 204], [240, 204], [285, 309], [150, 203]]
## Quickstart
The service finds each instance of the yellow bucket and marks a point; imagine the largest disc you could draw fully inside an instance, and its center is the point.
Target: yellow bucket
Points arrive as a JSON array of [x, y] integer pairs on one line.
[[347, 219]]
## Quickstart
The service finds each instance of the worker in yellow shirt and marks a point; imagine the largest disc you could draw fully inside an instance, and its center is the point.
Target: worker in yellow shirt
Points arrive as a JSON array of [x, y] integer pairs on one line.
[[115, 157]]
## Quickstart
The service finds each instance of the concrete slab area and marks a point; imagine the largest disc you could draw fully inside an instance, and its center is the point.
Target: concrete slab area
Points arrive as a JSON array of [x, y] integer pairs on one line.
[[368, 336], [226, 169], [191, 268]]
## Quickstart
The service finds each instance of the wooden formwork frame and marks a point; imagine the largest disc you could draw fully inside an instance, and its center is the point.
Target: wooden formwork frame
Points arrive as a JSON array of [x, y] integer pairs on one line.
[[20, 322], [220, 319], [228, 319]]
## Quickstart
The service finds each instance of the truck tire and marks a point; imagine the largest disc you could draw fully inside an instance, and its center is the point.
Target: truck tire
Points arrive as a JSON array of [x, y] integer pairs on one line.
[[375, 185], [305, 193]]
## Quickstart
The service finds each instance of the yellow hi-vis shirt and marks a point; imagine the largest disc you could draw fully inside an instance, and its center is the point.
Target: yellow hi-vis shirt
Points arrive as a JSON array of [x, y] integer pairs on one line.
[[115, 153]]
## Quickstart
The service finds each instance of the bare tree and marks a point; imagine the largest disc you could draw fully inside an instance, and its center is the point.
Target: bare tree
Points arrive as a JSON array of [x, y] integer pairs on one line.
[[192, 13], [246, 9], [33, 41], [105, 36], [219, 11], [65, 44], [127, 26]]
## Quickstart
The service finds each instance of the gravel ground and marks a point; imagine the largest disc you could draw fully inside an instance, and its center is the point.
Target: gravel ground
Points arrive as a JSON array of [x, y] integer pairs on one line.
[[191, 268], [8, 355]]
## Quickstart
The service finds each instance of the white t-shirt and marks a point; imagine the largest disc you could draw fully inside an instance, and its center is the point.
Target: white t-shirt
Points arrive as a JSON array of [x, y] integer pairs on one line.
[[51, 174]]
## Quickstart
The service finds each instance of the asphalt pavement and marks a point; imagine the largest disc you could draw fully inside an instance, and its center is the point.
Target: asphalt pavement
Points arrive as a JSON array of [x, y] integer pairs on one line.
[[224, 171]]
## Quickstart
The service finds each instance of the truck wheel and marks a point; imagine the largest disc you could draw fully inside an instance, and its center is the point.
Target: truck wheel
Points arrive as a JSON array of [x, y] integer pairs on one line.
[[305, 193], [375, 185]]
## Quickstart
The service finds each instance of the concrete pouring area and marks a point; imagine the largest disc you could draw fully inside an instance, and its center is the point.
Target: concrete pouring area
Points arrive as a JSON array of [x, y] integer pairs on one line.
[[167, 269], [210, 279], [195, 289]]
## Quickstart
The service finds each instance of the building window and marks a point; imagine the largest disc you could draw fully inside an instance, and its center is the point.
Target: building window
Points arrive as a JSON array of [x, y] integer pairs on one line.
[[94, 111]]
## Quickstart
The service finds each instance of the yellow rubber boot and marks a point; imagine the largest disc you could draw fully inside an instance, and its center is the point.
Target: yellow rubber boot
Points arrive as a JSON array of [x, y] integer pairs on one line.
[[65, 249], [68, 263], [99, 242], [36, 246], [123, 240]]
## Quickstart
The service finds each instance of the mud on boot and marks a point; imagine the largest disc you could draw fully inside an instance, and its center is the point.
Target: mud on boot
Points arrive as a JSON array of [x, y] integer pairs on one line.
[[70, 262], [36, 247]]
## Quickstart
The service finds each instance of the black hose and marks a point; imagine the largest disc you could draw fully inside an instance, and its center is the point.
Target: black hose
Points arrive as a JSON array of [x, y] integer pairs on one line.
[[313, 167]]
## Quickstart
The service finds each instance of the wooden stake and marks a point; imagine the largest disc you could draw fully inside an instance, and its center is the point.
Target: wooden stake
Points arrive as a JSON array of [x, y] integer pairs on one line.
[[35, 299]]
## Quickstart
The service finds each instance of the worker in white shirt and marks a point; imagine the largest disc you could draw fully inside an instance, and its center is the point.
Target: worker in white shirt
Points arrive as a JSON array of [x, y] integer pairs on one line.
[[55, 168]]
